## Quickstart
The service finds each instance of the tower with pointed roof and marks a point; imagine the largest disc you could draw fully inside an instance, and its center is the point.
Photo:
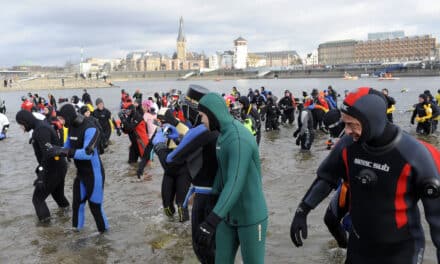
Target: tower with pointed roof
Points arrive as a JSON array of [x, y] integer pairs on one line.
[[181, 42]]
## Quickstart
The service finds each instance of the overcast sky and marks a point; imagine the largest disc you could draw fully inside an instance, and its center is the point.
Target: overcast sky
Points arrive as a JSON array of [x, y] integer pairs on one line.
[[49, 32]]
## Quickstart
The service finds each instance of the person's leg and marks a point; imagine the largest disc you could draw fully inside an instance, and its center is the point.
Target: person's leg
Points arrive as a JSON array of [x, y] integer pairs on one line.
[[39, 202], [292, 116], [99, 216], [168, 193], [59, 197], [202, 206], [183, 183], [95, 194], [78, 203], [58, 192], [253, 242], [143, 163], [226, 240]]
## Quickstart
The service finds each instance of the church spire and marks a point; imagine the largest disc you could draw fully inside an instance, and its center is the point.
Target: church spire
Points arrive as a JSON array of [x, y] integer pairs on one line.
[[181, 36]]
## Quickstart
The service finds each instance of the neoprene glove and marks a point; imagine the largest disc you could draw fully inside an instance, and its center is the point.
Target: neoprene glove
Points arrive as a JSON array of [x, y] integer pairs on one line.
[[299, 224], [205, 234], [171, 132], [298, 141], [295, 134], [159, 137], [63, 152]]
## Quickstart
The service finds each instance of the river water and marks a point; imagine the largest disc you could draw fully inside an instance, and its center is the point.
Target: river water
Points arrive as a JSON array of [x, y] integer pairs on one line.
[[139, 233]]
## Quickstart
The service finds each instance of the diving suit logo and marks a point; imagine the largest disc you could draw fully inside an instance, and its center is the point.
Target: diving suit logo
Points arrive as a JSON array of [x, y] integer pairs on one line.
[[373, 165]]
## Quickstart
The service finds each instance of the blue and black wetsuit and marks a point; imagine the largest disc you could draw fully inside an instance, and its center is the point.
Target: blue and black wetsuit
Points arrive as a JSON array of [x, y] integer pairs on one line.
[[89, 182], [196, 154]]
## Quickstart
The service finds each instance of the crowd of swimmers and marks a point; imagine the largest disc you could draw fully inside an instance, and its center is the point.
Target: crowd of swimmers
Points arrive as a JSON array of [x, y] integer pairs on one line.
[[208, 143]]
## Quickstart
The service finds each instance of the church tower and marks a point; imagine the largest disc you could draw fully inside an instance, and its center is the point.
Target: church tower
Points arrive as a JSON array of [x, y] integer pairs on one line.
[[181, 42]]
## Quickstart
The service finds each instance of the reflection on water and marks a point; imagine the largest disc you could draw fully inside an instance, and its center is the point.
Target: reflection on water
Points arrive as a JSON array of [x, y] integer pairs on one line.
[[139, 233]]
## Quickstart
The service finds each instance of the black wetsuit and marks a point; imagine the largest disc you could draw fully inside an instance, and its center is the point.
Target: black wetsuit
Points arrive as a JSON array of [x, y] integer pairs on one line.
[[272, 115], [103, 117], [286, 104], [386, 224], [201, 147], [390, 103], [175, 184], [51, 170], [86, 99], [305, 133], [249, 111], [425, 126], [128, 125], [435, 115]]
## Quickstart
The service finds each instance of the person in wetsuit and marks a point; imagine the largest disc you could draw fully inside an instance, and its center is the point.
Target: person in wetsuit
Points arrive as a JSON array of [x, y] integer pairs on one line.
[[422, 114], [248, 112], [86, 99], [52, 168], [390, 104], [53, 121], [104, 116], [388, 172], [176, 180], [133, 124], [304, 134], [435, 112], [81, 145], [2, 107], [272, 114], [287, 105], [4, 126], [240, 215], [196, 152]]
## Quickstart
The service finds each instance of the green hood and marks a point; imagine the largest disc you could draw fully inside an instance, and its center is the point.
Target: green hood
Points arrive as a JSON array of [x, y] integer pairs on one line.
[[217, 106]]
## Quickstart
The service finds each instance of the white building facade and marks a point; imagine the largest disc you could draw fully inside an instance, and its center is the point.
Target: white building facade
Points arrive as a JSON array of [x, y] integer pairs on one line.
[[240, 53]]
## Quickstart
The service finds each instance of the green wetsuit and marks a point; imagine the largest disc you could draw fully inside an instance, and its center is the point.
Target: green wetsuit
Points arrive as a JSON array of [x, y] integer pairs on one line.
[[241, 203]]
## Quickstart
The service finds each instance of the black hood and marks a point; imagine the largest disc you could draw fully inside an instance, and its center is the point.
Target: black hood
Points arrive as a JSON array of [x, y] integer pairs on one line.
[[68, 113], [245, 101], [27, 119], [369, 107], [332, 121], [191, 102]]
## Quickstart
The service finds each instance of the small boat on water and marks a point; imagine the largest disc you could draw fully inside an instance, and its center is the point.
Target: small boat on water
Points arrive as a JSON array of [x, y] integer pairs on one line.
[[347, 76], [387, 76]]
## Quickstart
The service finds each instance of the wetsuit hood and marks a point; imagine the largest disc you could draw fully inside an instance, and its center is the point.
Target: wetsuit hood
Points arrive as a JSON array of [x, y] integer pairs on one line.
[[192, 98], [369, 107], [214, 106], [69, 114], [245, 101], [332, 121], [26, 119]]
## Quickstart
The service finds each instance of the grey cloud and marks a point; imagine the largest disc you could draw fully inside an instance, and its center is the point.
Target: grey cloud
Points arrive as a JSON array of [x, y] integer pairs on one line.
[[48, 32]]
